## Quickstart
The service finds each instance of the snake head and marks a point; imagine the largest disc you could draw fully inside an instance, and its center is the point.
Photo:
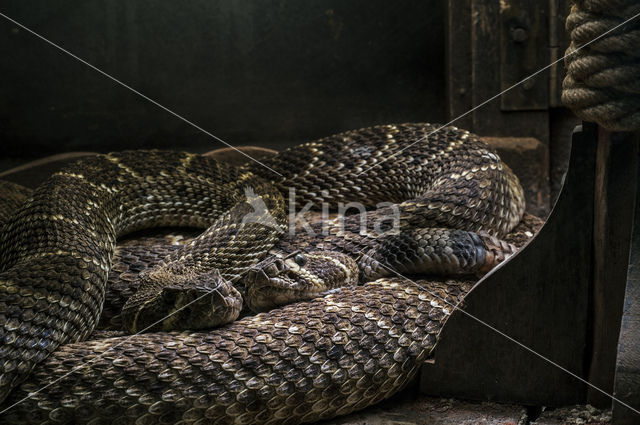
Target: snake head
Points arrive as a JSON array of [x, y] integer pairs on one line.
[[280, 280], [166, 301]]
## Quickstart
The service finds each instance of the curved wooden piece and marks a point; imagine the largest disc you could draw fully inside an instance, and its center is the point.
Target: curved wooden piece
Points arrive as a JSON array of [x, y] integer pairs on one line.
[[540, 298]]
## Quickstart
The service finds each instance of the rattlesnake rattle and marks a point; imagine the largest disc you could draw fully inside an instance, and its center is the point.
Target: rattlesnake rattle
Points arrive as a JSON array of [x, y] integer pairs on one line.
[[252, 370]]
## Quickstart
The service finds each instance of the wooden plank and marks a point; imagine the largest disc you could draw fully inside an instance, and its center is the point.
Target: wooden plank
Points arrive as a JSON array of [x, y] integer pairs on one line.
[[524, 28], [458, 63], [616, 167], [558, 43], [489, 119], [474, 61], [268, 72], [627, 372]]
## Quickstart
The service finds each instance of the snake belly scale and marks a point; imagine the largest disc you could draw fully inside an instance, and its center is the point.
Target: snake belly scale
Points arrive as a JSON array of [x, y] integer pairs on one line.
[[287, 365]]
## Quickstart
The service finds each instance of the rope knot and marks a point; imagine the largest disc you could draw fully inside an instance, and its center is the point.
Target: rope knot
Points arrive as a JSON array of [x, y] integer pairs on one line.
[[603, 63]]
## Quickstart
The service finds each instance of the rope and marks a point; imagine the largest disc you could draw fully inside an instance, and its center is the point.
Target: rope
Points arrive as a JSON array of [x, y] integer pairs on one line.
[[603, 78]]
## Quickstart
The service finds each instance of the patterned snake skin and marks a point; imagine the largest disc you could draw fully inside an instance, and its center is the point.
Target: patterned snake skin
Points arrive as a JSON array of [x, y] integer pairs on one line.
[[299, 363]]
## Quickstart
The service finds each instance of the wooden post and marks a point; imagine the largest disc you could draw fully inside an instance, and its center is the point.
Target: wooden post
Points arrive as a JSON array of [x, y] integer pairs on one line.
[[627, 366], [615, 190]]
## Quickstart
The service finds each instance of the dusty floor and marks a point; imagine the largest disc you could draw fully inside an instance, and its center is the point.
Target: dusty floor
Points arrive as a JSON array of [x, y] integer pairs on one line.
[[408, 408]]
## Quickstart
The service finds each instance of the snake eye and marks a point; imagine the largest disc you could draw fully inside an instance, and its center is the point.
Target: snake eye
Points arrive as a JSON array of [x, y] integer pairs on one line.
[[300, 260]]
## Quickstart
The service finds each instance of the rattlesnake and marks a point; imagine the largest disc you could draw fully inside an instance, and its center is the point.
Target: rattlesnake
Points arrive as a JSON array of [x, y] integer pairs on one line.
[[302, 362]]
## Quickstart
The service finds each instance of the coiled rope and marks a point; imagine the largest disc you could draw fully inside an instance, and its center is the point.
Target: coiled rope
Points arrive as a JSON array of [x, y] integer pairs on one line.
[[603, 78]]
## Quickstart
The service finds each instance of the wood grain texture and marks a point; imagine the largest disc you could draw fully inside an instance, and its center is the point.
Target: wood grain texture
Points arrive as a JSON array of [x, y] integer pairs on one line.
[[615, 190]]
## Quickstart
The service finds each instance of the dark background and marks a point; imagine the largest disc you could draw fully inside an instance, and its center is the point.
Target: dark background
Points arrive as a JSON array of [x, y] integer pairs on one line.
[[270, 73]]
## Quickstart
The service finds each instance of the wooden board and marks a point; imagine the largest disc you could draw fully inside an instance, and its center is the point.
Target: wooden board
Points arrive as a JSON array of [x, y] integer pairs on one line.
[[615, 191], [539, 298]]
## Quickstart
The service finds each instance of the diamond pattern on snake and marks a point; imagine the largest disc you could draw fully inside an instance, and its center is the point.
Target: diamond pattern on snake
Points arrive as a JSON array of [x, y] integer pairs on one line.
[[247, 322]]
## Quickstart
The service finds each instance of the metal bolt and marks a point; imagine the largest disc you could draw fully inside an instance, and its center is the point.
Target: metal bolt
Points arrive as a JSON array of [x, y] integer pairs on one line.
[[519, 35]]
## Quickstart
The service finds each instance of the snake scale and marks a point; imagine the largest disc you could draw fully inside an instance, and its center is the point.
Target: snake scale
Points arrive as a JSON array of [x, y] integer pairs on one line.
[[336, 353]]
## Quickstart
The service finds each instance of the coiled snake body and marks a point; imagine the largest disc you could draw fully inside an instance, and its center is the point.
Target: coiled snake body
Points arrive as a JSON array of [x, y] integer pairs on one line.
[[334, 354]]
